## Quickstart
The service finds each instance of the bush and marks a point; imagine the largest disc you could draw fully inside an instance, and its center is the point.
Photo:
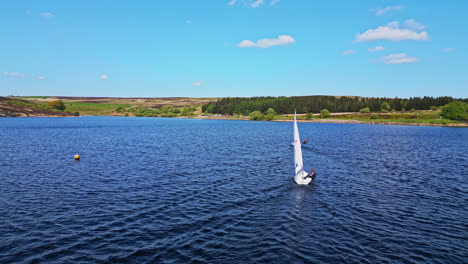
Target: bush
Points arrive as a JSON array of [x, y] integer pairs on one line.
[[364, 110], [324, 113], [433, 108], [374, 116], [269, 117], [170, 114], [309, 116], [76, 114], [256, 115], [163, 115], [271, 111], [186, 112], [456, 110], [58, 104], [175, 110]]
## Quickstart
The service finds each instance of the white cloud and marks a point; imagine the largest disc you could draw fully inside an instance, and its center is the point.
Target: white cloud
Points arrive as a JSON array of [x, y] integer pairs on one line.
[[14, 75], [381, 11], [377, 48], [197, 83], [232, 2], [246, 44], [349, 52], [392, 32], [40, 77], [256, 4], [274, 2], [398, 59], [104, 77], [448, 50], [188, 21], [413, 24], [266, 43], [47, 15]]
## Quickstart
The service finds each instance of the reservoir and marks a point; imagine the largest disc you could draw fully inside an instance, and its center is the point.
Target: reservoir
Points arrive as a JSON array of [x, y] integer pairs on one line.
[[157, 190]]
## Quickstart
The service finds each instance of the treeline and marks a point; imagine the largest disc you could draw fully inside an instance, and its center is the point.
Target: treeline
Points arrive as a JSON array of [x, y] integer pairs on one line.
[[313, 104]]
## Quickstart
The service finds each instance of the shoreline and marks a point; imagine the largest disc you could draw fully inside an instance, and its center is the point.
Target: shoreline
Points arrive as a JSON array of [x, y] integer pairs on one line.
[[343, 121], [326, 121]]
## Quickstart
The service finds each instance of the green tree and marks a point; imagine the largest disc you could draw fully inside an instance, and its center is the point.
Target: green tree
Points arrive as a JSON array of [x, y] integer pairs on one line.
[[324, 113], [456, 110], [309, 116], [256, 115], [58, 104], [365, 110], [374, 116], [270, 111], [385, 106]]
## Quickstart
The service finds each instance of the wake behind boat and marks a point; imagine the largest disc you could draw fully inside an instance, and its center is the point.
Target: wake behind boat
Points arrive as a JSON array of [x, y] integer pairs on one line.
[[301, 177]]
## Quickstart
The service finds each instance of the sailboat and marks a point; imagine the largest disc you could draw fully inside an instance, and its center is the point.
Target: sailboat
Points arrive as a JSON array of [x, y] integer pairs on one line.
[[300, 177]]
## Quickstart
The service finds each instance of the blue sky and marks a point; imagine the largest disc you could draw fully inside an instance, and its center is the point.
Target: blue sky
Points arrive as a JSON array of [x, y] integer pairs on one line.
[[214, 48]]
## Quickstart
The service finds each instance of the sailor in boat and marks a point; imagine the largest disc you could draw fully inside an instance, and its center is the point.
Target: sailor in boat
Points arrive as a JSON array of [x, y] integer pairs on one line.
[[311, 175], [305, 141]]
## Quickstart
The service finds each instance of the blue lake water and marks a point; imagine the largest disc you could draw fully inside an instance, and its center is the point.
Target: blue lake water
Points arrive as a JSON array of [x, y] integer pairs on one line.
[[155, 190]]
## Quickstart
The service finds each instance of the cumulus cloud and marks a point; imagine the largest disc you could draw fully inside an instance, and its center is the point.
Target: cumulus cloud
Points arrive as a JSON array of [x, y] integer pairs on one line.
[[246, 44], [274, 2], [392, 32], [448, 50], [197, 83], [349, 52], [266, 43], [381, 11], [256, 4], [104, 77], [377, 48], [47, 15], [398, 59], [413, 24], [14, 75], [232, 2]]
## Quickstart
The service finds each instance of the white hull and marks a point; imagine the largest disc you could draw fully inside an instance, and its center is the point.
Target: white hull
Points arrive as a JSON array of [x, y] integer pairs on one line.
[[299, 178]]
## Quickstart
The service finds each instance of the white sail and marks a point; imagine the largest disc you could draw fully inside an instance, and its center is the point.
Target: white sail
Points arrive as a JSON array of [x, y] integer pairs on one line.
[[300, 177], [297, 148]]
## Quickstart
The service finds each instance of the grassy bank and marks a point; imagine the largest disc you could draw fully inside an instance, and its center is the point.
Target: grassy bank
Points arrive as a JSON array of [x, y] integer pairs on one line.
[[422, 117]]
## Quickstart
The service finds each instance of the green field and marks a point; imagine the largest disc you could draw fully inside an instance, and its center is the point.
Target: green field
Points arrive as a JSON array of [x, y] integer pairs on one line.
[[94, 108]]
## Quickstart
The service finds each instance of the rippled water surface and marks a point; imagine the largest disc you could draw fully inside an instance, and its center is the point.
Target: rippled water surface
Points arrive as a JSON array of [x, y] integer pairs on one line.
[[151, 190]]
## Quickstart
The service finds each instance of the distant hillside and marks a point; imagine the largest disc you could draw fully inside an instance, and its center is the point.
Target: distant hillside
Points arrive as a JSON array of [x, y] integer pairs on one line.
[[10, 107]]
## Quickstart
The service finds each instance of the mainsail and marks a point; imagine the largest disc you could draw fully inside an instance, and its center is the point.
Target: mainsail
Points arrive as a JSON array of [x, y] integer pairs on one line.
[[297, 148]]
